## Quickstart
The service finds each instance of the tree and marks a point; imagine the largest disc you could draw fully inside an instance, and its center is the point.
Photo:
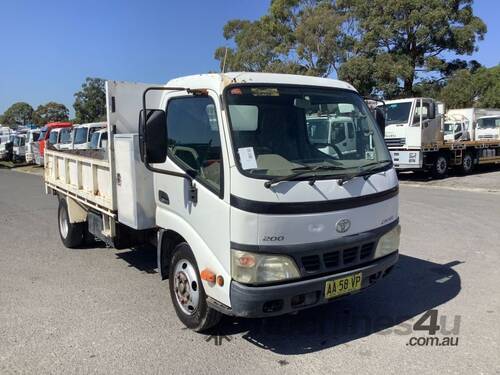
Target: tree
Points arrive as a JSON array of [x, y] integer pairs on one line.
[[479, 88], [295, 36], [20, 113], [90, 101], [413, 34], [51, 112]]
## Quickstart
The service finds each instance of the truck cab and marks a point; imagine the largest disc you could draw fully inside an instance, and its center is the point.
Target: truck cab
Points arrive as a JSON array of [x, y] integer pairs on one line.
[[60, 138], [412, 124], [82, 134], [31, 138], [455, 128], [99, 140], [19, 148], [44, 137], [332, 135], [488, 128]]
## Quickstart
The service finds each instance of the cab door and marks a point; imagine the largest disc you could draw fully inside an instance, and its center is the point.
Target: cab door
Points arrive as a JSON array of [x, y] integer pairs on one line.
[[196, 146]]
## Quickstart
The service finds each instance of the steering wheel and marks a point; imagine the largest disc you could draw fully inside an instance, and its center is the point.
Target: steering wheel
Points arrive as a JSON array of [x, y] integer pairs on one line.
[[335, 147]]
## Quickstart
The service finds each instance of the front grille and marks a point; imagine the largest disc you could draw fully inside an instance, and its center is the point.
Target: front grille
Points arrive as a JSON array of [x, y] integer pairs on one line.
[[332, 260], [311, 263], [366, 251], [395, 142], [486, 136], [350, 255]]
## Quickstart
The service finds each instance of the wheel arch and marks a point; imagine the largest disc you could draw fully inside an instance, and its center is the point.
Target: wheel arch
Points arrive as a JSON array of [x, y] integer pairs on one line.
[[167, 241]]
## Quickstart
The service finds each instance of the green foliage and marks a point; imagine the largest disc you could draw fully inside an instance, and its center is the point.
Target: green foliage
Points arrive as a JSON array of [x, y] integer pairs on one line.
[[20, 113], [295, 36], [50, 112], [90, 101], [414, 34], [479, 88], [380, 46]]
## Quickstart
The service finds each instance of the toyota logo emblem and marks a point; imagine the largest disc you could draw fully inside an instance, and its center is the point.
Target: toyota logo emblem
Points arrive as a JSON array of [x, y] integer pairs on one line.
[[343, 225]]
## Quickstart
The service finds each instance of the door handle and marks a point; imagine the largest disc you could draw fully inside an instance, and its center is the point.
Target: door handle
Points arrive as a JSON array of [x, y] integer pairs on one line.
[[163, 197]]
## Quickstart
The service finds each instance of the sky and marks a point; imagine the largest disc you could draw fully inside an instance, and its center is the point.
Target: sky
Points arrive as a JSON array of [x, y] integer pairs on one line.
[[49, 47]]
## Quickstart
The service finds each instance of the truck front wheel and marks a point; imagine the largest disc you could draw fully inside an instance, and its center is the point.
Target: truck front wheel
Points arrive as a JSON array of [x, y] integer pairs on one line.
[[71, 233], [440, 166], [187, 293]]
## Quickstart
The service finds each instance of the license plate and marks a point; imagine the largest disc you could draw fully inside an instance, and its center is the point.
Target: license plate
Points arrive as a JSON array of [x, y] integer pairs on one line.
[[344, 285]]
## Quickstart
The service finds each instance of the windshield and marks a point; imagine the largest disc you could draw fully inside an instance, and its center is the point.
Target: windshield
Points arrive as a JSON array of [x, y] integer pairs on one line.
[[488, 123], [397, 113], [53, 137], [94, 141], [278, 130], [18, 141], [35, 136], [42, 135], [80, 135], [65, 135], [451, 127]]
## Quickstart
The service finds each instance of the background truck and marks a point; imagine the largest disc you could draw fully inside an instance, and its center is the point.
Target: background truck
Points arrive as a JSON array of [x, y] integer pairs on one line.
[[249, 217], [471, 128], [415, 135], [82, 134], [39, 148], [31, 138]]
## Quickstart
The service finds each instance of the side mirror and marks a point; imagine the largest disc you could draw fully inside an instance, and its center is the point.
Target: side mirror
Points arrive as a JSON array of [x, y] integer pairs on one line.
[[153, 137], [380, 118]]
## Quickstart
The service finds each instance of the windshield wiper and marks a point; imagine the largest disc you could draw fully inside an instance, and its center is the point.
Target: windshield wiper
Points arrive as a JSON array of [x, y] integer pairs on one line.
[[377, 166], [299, 172]]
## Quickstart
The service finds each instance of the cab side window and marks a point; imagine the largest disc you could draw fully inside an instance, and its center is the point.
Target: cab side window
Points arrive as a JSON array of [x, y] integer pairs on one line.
[[424, 109], [193, 138]]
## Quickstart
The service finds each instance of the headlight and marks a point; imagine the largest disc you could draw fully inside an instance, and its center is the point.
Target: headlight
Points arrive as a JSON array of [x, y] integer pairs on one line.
[[253, 268], [388, 243]]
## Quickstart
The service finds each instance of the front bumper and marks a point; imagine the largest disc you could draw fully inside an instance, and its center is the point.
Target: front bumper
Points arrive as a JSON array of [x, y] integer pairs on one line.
[[254, 302]]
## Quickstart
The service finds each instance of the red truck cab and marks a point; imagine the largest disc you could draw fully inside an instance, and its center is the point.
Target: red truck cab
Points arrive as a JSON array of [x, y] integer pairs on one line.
[[45, 134]]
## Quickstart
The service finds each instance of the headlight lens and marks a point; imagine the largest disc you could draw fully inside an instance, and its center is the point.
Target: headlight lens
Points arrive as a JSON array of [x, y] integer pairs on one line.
[[388, 243], [253, 268]]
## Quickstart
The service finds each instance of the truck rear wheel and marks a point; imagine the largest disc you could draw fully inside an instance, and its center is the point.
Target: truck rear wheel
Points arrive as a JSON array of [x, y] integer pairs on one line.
[[440, 166], [467, 164], [187, 293], [71, 233]]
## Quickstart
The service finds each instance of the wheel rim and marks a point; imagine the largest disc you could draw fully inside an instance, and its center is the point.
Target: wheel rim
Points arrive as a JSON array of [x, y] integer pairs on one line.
[[467, 163], [186, 286], [441, 165], [63, 223]]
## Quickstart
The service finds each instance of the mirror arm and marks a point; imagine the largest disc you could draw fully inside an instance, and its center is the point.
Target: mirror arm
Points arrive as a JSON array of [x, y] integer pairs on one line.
[[193, 190]]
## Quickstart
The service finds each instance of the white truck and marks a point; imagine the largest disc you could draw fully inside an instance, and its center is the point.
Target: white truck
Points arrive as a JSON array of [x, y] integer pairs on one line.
[[82, 134], [61, 138], [31, 138], [19, 148], [6, 139], [419, 137], [99, 140], [249, 217], [474, 127]]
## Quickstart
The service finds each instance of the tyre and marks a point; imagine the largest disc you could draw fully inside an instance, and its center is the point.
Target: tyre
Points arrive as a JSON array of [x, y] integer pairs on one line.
[[187, 293], [71, 234], [467, 164], [440, 166]]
